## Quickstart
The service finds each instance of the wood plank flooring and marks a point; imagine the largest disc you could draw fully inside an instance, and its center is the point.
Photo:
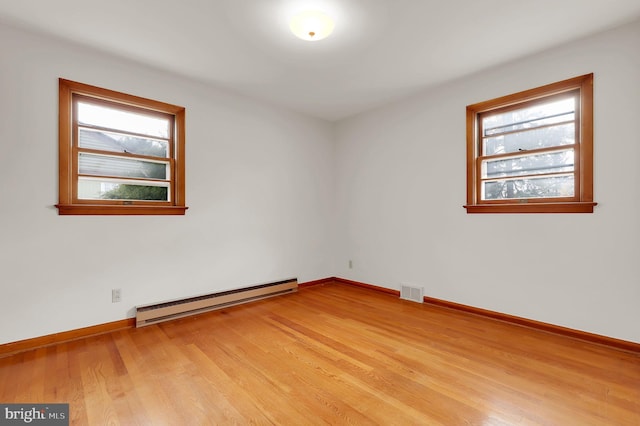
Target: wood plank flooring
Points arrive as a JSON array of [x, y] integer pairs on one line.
[[330, 354]]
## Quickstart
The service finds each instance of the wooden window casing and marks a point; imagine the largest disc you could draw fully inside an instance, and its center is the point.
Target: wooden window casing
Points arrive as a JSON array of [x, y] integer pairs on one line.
[[70, 94], [582, 199]]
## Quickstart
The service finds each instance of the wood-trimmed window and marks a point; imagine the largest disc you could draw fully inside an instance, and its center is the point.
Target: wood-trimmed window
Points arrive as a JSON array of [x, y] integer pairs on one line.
[[532, 152], [119, 154]]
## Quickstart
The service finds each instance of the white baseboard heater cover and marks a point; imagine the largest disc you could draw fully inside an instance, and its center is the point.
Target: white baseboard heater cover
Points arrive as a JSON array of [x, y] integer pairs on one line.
[[165, 311]]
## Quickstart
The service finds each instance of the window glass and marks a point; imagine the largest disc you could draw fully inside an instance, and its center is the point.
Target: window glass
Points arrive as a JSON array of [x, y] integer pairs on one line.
[[119, 119], [103, 189], [120, 142]]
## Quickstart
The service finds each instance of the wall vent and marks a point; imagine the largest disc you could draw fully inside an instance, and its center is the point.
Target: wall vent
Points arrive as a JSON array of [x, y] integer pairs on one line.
[[414, 294], [165, 311]]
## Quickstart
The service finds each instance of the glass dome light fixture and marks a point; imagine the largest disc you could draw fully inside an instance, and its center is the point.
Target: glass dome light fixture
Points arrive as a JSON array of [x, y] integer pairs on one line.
[[311, 25]]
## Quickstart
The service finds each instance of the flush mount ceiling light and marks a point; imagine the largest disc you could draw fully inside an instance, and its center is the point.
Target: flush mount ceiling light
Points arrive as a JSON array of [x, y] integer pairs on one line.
[[311, 25]]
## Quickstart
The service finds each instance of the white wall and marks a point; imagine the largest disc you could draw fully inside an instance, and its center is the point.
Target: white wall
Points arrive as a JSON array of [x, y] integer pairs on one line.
[[264, 186], [400, 179], [259, 188]]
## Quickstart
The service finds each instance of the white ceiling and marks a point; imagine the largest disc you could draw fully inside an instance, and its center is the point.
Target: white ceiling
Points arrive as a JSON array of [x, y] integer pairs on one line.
[[379, 51]]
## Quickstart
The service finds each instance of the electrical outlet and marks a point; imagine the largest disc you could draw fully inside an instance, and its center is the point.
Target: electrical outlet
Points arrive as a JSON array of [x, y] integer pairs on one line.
[[116, 295], [350, 264]]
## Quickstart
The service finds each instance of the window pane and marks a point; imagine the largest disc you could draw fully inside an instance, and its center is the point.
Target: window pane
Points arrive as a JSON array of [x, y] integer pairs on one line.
[[117, 142], [117, 119], [557, 186], [533, 139], [103, 165], [101, 189], [550, 162], [529, 117]]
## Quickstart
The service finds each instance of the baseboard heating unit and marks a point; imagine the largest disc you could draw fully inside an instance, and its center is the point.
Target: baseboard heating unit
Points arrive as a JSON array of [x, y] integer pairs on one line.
[[165, 311]]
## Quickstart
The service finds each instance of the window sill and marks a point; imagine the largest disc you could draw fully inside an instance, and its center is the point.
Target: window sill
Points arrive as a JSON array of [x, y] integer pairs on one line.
[[570, 207], [93, 209]]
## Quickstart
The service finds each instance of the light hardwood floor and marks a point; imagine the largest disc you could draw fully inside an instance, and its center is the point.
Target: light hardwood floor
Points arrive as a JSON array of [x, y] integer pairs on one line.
[[331, 354]]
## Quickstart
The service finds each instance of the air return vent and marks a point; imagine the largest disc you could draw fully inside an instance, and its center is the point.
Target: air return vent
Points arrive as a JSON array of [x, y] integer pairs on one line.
[[414, 294], [158, 312]]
